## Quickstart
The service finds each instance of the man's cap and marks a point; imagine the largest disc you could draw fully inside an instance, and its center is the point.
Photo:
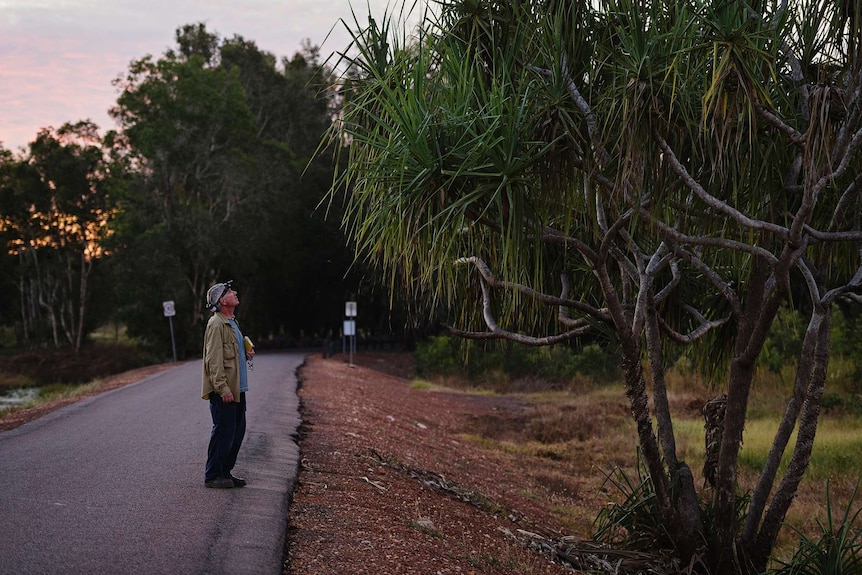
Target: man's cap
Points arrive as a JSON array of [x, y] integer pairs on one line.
[[215, 293]]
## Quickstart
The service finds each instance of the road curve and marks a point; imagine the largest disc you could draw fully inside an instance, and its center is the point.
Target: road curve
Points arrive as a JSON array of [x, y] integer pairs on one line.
[[114, 483]]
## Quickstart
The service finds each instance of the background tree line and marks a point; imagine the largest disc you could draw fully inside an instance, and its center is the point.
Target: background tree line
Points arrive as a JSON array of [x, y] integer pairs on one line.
[[211, 174]]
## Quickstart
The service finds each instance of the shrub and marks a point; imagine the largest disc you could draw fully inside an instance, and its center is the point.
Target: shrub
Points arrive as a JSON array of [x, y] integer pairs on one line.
[[444, 355], [438, 355], [784, 344], [67, 367], [838, 550], [785, 340], [635, 523]]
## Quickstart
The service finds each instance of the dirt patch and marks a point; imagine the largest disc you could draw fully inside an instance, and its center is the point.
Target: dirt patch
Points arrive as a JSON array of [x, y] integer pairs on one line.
[[391, 483]]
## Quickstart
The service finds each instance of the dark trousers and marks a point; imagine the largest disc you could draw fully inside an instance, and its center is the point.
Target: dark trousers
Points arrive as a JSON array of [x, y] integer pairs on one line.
[[226, 435]]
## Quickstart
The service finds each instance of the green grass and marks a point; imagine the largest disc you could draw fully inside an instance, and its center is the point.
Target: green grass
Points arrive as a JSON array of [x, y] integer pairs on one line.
[[566, 440], [421, 384], [836, 446], [689, 441], [9, 381], [63, 391], [53, 392], [7, 337], [112, 334]]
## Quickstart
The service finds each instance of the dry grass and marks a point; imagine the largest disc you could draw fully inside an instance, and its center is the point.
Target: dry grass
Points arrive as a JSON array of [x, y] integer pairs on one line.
[[564, 442], [567, 441], [514, 557]]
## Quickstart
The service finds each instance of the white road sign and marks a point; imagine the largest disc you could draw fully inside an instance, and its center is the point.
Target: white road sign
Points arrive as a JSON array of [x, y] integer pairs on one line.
[[168, 306], [349, 327], [350, 308]]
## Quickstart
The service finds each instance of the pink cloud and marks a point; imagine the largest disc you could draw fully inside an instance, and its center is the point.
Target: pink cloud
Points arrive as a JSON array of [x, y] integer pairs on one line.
[[57, 60]]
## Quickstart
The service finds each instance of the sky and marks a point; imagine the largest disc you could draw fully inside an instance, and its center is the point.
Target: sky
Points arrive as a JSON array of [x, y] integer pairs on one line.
[[59, 57]]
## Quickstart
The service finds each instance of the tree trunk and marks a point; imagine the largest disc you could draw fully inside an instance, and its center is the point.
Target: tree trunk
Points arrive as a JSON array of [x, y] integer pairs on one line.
[[722, 546], [636, 392], [766, 291], [659, 388], [782, 437], [801, 457], [82, 303], [24, 317]]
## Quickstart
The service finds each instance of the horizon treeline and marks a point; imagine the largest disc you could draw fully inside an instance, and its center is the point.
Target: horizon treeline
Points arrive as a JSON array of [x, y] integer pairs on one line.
[[214, 172]]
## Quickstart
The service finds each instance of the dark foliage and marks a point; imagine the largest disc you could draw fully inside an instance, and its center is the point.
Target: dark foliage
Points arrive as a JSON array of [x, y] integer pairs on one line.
[[63, 365]]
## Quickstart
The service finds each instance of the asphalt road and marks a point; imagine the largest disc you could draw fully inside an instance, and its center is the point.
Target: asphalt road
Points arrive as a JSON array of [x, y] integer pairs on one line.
[[114, 483]]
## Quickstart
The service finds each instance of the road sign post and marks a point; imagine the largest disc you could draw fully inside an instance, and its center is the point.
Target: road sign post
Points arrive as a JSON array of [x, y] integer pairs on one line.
[[350, 327], [170, 311]]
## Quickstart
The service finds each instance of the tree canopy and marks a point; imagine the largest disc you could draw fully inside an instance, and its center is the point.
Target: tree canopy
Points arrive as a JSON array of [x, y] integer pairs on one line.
[[221, 137], [57, 205]]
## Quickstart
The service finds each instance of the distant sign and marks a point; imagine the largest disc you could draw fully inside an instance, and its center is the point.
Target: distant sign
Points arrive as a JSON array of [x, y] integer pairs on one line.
[[168, 307], [350, 308], [349, 327]]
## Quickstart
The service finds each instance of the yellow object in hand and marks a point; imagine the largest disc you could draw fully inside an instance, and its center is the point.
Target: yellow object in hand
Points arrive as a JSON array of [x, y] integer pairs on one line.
[[247, 343]]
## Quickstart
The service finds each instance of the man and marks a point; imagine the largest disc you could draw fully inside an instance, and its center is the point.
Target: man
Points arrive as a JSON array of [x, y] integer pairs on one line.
[[225, 381]]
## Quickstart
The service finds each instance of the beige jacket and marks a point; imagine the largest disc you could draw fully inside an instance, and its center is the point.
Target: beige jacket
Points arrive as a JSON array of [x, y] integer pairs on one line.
[[221, 358]]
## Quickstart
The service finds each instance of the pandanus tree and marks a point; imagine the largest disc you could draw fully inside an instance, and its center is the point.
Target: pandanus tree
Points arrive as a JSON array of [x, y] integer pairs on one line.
[[672, 172]]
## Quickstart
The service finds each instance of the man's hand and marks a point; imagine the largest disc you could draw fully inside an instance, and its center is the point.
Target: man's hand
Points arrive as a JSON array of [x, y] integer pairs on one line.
[[227, 397]]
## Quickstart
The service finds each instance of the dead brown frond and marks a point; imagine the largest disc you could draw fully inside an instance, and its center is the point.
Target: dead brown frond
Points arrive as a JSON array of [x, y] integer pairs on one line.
[[591, 556]]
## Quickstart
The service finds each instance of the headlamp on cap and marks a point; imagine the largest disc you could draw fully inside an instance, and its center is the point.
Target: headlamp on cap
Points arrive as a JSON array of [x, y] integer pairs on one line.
[[215, 293]]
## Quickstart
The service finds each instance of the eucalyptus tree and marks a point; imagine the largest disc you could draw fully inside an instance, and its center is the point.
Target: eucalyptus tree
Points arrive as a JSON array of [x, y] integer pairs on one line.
[[664, 171], [302, 255], [9, 306], [188, 128], [220, 134], [57, 201]]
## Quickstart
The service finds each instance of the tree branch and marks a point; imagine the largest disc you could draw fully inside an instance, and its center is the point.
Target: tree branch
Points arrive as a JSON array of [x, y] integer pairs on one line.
[[850, 194], [849, 236], [796, 138], [854, 117], [563, 314], [681, 238], [602, 156], [711, 200], [850, 287], [704, 327], [517, 337], [491, 280], [676, 277], [714, 278], [496, 332], [552, 236]]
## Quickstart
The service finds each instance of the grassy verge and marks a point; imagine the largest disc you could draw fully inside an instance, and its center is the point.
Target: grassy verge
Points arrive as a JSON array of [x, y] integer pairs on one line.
[[567, 442], [65, 366], [52, 393], [61, 374]]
